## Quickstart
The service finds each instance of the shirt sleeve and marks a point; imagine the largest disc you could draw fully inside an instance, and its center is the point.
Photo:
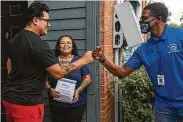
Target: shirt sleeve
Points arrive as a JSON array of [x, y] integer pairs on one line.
[[85, 70], [181, 39], [134, 61], [44, 55]]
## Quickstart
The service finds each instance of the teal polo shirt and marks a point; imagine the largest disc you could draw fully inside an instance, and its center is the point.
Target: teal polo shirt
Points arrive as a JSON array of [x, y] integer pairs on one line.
[[163, 56]]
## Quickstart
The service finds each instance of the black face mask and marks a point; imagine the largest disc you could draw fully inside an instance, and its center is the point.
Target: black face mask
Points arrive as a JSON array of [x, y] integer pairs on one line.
[[145, 26]]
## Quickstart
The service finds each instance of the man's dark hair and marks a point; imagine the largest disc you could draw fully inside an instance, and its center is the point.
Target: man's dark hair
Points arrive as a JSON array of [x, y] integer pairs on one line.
[[35, 10], [158, 9], [74, 47]]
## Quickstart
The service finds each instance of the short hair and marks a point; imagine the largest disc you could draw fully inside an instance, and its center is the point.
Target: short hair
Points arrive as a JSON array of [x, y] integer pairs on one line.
[[74, 47], [35, 10], [158, 9]]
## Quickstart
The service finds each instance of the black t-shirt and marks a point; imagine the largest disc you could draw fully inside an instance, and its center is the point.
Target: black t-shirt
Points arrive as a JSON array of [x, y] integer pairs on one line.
[[29, 55], [4, 57]]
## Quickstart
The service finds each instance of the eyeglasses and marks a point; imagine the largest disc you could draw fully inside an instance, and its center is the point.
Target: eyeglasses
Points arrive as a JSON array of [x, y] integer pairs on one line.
[[142, 21], [47, 20]]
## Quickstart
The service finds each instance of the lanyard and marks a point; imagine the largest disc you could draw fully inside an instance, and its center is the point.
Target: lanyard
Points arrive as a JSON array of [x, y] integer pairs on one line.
[[160, 60]]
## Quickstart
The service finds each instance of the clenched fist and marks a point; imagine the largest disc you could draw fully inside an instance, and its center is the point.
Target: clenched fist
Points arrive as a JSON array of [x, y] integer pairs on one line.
[[88, 57], [98, 53]]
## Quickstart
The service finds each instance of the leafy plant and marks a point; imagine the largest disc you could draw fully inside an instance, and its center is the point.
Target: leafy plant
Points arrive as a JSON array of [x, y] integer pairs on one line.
[[174, 25], [181, 17], [137, 97]]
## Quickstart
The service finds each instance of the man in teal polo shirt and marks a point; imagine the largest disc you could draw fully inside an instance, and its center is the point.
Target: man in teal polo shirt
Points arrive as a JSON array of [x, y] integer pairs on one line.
[[162, 56]]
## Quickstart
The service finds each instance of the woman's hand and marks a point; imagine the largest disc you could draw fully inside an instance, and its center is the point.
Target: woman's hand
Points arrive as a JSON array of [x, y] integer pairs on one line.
[[76, 96], [54, 93]]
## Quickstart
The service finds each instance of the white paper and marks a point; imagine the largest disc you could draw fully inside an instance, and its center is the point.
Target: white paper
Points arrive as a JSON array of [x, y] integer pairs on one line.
[[66, 88]]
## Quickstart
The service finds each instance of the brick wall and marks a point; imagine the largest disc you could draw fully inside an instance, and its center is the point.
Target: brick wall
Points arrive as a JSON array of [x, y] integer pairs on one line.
[[106, 31]]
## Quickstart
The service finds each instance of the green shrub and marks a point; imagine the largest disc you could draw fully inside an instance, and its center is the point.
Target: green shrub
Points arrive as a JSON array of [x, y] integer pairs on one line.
[[137, 97]]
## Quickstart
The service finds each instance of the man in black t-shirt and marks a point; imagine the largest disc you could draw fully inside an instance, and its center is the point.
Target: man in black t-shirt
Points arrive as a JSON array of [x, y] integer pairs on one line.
[[30, 59]]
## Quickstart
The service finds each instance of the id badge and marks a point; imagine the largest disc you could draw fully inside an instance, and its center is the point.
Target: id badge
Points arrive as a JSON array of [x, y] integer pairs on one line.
[[161, 80]]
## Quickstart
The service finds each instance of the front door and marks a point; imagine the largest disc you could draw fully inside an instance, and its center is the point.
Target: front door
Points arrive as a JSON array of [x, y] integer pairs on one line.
[[12, 21]]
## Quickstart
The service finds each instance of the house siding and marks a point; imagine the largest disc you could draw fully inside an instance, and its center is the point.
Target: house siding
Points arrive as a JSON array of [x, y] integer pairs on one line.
[[67, 17], [77, 19]]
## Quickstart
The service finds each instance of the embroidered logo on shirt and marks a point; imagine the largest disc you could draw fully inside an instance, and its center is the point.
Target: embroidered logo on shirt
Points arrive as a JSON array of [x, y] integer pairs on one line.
[[173, 48]]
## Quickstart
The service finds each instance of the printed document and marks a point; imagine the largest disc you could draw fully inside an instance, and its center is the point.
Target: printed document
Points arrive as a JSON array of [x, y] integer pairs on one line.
[[66, 87]]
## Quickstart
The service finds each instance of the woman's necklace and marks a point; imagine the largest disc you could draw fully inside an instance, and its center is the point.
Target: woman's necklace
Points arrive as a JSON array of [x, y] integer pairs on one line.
[[65, 61]]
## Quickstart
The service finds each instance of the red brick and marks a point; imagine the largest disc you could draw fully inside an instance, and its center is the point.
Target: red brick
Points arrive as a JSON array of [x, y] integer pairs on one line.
[[106, 41]]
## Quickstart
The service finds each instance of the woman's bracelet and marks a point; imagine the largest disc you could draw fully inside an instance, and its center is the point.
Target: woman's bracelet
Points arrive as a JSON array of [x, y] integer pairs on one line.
[[49, 89]]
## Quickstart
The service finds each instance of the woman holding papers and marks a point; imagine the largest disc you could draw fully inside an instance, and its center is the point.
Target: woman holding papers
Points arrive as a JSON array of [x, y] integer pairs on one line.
[[62, 110]]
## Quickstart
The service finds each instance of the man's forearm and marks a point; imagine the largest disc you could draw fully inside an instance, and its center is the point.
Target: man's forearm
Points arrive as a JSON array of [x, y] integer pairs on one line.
[[60, 71], [67, 69], [9, 65], [119, 71]]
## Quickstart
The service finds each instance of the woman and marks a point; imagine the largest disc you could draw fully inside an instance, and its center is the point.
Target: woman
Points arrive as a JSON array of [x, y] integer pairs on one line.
[[66, 52]]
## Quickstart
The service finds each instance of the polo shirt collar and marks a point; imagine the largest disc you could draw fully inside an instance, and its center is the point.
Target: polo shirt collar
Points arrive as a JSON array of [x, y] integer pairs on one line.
[[164, 36]]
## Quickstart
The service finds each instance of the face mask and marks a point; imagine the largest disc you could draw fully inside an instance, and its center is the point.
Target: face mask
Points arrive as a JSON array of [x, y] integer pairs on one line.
[[145, 26]]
